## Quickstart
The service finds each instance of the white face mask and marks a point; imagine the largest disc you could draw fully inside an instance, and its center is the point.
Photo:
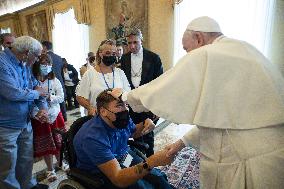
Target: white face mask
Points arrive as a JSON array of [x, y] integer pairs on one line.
[[45, 69]]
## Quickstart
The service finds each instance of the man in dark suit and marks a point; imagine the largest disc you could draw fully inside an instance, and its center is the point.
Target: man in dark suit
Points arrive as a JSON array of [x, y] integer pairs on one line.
[[141, 66], [71, 80], [119, 53], [57, 66]]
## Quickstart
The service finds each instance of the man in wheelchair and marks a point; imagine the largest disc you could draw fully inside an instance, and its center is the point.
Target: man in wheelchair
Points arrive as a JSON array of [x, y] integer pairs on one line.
[[101, 148]]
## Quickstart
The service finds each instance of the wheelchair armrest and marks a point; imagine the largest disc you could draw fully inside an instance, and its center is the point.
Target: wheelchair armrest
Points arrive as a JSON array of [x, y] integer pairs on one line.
[[85, 178], [139, 145]]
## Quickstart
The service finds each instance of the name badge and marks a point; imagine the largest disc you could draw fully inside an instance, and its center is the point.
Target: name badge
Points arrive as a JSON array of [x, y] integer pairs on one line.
[[127, 160]]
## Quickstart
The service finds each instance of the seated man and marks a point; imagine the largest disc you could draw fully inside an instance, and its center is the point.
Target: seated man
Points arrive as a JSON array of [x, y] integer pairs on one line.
[[101, 148]]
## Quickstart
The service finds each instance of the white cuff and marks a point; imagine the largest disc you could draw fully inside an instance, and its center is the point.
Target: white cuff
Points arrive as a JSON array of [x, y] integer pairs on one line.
[[124, 96]]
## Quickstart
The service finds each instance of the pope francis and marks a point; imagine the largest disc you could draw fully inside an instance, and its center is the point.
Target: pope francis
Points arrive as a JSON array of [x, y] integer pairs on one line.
[[234, 96]]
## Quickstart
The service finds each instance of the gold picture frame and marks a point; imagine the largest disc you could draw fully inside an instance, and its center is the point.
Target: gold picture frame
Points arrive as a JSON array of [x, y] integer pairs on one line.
[[134, 13], [37, 26]]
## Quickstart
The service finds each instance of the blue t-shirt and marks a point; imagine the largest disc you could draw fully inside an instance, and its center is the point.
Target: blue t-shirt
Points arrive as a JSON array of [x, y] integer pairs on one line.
[[97, 143]]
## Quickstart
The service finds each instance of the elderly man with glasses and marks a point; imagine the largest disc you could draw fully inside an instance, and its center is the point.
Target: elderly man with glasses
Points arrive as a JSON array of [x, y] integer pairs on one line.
[[19, 93]]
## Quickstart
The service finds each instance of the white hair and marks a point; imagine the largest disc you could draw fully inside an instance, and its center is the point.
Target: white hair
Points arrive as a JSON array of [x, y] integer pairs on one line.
[[27, 43]]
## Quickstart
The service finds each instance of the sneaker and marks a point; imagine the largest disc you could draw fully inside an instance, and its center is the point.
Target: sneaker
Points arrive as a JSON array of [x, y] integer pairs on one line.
[[51, 175], [40, 186], [64, 166]]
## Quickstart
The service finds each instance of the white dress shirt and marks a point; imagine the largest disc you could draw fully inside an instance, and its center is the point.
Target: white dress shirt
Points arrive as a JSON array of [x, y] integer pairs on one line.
[[136, 67], [67, 79]]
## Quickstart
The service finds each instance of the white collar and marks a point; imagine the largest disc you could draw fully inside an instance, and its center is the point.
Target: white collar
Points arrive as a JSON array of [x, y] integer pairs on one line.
[[140, 52]]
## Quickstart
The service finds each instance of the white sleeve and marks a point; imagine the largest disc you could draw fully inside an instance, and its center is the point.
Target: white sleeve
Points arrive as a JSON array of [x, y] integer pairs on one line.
[[175, 94], [134, 101], [58, 97], [192, 138], [83, 88]]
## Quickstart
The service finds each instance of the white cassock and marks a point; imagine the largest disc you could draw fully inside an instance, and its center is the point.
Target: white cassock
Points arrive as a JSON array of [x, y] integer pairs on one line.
[[235, 96]]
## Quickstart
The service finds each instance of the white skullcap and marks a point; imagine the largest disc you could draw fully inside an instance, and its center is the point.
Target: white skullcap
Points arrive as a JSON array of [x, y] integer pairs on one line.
[[204, 24]]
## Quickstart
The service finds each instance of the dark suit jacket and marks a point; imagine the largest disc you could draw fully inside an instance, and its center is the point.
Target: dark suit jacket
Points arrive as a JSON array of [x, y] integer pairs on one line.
[[151, 69], [73, 75], [57, 66]]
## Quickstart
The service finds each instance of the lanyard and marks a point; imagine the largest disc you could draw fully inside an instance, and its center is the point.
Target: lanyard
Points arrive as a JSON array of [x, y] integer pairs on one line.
[[48, 91], [105, 78], [48, 86]]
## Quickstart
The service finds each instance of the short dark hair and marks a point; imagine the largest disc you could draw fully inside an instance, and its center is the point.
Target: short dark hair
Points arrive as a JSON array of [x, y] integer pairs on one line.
[[134, 31], [3, 35], [47, 44], [104, 99], [91, 54]]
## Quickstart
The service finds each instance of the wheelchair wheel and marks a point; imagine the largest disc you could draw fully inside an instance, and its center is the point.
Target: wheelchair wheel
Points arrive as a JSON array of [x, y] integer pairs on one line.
[[70, 184]]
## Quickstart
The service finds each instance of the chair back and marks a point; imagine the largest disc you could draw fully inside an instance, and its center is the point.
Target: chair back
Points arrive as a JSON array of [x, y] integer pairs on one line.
[[67, 148]]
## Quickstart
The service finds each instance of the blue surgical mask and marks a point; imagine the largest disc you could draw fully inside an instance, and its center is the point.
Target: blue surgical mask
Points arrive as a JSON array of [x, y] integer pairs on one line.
[[45, 69]]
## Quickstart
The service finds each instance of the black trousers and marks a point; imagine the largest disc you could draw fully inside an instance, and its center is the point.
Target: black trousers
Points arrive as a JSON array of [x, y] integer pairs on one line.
[[63, 110], [148, 139], [70, 93]]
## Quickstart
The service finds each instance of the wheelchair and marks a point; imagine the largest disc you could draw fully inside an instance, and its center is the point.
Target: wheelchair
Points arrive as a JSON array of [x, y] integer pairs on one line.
[[80, 179]]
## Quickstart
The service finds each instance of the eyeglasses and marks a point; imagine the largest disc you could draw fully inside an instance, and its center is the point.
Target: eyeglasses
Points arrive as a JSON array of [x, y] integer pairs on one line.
[[36, 57]]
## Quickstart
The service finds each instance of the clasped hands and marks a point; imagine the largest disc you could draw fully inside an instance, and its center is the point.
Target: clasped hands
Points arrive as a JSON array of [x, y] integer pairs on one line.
[[167, 155]]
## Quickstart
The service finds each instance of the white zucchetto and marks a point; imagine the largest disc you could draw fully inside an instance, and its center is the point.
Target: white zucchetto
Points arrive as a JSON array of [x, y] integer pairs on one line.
[[204, 24]]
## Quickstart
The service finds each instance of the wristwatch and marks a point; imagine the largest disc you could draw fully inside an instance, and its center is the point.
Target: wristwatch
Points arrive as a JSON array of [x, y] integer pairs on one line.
[[146, 166]]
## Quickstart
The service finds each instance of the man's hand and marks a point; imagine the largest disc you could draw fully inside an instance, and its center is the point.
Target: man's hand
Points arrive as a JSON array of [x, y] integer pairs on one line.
[[92, 111], [160, 158], [42, 116], [174, 148], [42, 92], [148, 126], [116, 92]]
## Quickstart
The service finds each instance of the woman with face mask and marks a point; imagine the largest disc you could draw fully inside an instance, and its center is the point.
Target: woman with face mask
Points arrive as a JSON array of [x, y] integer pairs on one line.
[[103, 76], [47, 143]]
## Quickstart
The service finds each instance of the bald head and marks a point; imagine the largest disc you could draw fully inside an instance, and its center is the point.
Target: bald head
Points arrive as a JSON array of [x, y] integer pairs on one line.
[[199, 32]]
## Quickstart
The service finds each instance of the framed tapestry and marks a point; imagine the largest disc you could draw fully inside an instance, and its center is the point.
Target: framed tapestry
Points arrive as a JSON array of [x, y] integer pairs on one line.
[[37, 25], [124, 14]]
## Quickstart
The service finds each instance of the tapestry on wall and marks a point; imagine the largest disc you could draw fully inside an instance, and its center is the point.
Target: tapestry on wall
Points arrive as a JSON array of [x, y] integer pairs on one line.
[[121, 15], [37, 26]]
